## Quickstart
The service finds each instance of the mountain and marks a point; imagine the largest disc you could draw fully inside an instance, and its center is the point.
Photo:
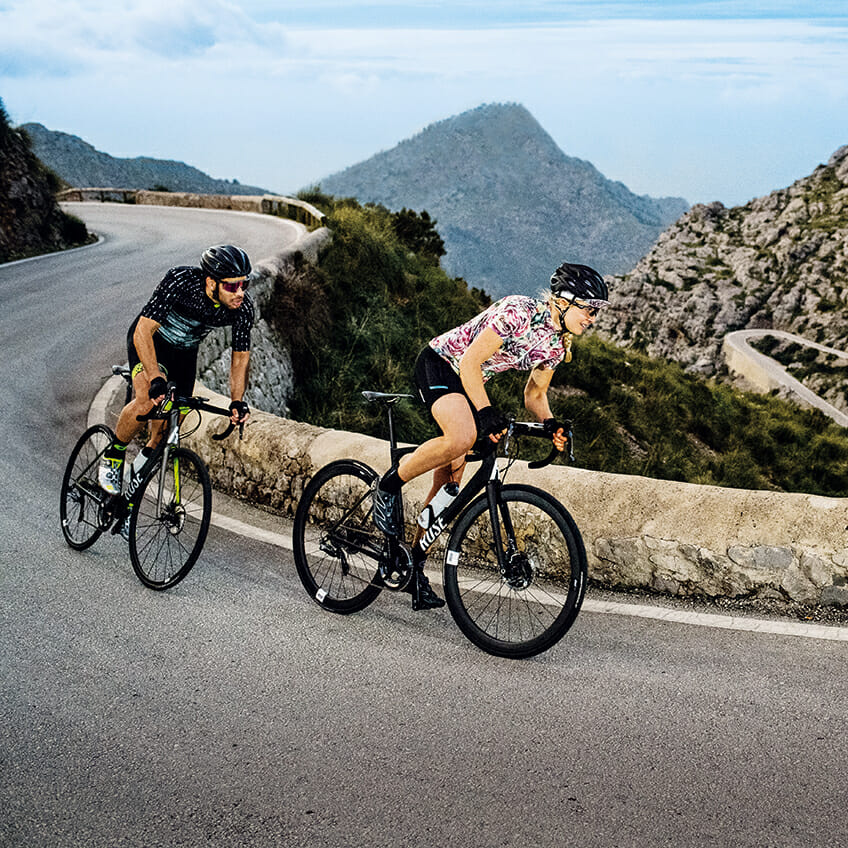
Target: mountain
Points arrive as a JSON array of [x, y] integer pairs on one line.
[[81, 165], [779, 262], [31, 221], [510, 205]]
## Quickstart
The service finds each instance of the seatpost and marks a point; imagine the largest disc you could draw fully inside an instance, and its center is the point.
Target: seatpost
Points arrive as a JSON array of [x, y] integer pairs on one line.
[[389, 405]]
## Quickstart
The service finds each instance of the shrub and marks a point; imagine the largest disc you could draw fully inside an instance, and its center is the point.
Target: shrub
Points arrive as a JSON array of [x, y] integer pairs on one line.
[[360, 319]]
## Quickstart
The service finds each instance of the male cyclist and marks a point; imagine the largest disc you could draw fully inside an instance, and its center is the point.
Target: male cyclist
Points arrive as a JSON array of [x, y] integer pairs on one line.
[[163, 340], [515, 333]]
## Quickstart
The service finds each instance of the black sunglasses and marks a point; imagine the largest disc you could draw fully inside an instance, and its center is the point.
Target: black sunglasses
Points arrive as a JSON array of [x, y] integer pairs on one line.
[[232, 288]]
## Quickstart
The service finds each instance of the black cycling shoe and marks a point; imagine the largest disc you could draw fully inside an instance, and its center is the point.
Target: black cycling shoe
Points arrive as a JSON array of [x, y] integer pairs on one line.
[[423, 596], [385, 509]]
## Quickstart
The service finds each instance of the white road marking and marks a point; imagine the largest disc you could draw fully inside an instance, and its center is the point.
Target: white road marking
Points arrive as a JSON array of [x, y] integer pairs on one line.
[[698, 619], [725, 622]]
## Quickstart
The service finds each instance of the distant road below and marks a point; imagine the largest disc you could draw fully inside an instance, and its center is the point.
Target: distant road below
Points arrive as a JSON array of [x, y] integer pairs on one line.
[[765, 374]]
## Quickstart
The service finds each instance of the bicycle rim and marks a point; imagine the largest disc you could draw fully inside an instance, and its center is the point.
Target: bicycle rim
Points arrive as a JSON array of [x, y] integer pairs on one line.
[[170, 519], [336, 545], [82, 499], [523, 603]]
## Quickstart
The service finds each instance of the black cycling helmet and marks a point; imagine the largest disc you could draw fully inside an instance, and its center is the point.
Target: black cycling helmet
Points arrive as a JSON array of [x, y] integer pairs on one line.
[[580, 282], [223, 261]]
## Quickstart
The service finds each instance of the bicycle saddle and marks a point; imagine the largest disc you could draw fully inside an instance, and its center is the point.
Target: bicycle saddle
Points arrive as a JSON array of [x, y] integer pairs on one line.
[[371, 397]]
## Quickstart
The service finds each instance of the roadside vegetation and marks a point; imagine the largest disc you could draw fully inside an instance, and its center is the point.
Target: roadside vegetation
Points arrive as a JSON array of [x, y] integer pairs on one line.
[[359, 319]]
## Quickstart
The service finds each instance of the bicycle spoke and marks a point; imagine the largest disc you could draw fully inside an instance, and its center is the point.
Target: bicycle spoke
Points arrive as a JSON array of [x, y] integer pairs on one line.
[[336, 546], [166, 538], [522, 602]]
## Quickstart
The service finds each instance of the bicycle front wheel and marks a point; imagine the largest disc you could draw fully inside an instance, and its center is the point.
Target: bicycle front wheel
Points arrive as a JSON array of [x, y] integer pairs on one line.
[[515, 587], [170, 518], [82, 500], [337, 548]]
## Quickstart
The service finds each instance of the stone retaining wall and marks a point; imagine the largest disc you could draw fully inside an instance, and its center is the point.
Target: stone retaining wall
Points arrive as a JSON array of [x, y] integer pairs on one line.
[[676, 538], [267, 358]]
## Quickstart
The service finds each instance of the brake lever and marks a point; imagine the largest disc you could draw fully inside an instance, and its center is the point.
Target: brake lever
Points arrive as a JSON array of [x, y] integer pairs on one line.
[[541, 463], [159, 412], [219, 437]]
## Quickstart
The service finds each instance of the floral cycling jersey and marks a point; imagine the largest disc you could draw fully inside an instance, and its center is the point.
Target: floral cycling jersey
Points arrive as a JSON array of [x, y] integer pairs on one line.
[[186, 314], [530, 339]]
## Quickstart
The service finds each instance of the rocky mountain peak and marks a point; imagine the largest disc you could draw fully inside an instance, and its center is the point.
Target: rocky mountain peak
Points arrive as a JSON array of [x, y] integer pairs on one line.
[[509, 203]]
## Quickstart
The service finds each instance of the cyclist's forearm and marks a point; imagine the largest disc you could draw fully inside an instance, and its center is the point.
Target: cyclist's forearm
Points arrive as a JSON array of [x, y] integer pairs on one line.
[[472, 382], [536, 401], [471, 366], [238, 374], [536, 394], [539, 407]]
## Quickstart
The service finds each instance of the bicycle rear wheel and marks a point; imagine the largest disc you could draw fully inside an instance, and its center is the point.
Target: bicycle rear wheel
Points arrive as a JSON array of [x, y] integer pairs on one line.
[[523, 602], [337, 548], [82, 500], [170, 518]]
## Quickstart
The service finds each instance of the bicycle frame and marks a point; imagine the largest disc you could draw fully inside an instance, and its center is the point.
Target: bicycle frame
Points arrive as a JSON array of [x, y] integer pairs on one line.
[[172, 410], [486, 477]]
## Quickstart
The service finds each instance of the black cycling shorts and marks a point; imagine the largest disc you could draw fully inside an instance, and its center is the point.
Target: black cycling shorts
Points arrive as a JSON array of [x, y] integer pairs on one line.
[[178, 364], [435, 378]]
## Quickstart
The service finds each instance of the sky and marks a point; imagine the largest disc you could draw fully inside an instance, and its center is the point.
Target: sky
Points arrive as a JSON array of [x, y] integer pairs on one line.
[[706, 100]]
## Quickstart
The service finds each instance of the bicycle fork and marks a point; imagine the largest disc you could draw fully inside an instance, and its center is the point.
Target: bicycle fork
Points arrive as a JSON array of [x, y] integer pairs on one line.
[[516, 568]]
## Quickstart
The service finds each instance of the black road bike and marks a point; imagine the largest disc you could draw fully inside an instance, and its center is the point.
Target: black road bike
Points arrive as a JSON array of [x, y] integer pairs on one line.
[[169, 501], [514, 564]]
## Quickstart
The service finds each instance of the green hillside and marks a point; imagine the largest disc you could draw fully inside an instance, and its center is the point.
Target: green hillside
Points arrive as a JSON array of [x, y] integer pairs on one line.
[[359, 320]]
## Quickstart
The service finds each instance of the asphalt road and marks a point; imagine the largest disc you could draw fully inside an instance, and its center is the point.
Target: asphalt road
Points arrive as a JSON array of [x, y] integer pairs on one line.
[[778, 376], [232, 711]]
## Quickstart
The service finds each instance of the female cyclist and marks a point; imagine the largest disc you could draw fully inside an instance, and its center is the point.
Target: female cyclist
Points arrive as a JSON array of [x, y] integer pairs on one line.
[[515, 333]]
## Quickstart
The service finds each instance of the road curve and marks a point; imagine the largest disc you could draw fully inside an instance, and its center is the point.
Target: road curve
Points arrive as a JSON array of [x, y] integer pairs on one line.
[[765, 374], [232, 711]]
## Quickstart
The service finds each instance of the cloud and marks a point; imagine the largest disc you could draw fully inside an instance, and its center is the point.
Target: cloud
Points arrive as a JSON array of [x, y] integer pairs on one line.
[[45, 38], [640, 89], [62, 38]]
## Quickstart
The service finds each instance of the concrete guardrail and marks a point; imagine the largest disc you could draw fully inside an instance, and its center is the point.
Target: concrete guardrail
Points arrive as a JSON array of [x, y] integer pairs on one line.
[[269, 204]]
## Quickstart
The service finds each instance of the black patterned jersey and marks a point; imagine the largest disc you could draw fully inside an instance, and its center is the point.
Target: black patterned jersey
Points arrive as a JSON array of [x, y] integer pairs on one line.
[[186, 314]]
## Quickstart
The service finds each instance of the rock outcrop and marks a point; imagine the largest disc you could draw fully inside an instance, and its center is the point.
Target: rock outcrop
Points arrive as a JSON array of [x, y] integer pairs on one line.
[[31, 221], [779, 262]]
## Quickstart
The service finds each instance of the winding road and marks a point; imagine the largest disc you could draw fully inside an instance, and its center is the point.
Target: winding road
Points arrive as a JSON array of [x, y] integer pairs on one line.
[[231, 711], [765, 374]]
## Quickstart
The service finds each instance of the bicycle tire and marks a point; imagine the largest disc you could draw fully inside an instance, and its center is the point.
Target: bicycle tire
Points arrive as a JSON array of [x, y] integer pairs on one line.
[[336, 545], [525, 613], [165, 544], [81, 498]]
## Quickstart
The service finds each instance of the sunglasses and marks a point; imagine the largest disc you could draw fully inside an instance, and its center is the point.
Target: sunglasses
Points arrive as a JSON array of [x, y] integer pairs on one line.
[[592, 308], [233, 287]]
